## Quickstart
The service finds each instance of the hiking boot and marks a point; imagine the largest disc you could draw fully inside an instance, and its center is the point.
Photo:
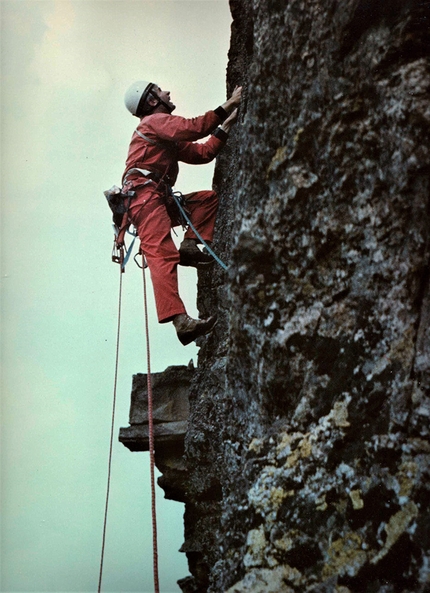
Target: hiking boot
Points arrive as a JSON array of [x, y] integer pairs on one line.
[[189, 329], [190, 255]]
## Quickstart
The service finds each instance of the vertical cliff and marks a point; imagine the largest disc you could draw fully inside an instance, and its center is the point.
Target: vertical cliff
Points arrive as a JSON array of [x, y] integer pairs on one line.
[[307, 451]]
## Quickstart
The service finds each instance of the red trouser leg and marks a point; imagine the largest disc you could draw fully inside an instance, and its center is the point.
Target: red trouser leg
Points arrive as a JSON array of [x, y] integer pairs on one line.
[[202, 207], [149, 216]]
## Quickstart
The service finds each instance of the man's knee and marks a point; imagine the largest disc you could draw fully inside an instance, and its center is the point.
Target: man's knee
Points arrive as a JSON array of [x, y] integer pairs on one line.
[[205, 195], [211, 197]]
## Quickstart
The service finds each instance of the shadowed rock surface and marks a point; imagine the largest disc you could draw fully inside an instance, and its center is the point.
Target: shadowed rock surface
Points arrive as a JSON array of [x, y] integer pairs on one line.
[[170, 408], [170, 415], [306, 460]]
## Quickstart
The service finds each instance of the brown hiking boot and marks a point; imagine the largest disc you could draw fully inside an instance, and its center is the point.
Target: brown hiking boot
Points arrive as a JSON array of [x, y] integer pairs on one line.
[[189, 329], [190, 255]]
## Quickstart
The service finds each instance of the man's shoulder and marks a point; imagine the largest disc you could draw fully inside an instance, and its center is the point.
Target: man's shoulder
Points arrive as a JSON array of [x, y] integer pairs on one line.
[[158, 117], [157, 122]]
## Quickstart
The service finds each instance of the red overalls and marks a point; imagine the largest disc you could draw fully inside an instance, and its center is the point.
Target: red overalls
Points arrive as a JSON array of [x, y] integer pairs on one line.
[[167, 140]]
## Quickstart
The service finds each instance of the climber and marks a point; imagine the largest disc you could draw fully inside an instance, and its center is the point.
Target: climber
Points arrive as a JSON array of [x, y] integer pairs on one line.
[[158, 143]]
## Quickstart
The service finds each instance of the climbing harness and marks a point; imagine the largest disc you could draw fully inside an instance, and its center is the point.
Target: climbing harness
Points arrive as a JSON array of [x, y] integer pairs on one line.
[[119, 203]]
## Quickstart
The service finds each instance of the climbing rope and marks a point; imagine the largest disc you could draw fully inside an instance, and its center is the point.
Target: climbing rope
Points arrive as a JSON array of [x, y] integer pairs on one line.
[[151, 432], [151, 438], [111, 432], [177, 197]]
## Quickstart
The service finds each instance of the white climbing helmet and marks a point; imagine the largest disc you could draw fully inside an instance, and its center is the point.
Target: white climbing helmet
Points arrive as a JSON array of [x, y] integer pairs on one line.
[[136, 95]]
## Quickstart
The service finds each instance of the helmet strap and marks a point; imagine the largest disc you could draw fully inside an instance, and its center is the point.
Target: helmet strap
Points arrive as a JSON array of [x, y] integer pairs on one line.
[[160, 102], [143, 99]]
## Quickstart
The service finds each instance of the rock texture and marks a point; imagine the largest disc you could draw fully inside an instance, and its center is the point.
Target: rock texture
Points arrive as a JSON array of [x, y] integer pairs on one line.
[[170, 408], [307, 451], [170, 417]]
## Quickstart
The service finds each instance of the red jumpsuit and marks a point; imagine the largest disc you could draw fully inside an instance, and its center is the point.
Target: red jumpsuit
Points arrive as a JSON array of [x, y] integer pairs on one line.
[[167, 140]]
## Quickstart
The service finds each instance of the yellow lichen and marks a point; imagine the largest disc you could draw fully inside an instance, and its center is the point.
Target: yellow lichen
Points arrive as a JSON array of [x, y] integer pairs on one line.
[[357, 501], [286, 542], [280, 157], [298, 134], [303, 450], [278, 495], [345, 556], [292, 459], [406, 477], [420, 445], [288, 438], [256, 445], [321, 503], [396, 526]]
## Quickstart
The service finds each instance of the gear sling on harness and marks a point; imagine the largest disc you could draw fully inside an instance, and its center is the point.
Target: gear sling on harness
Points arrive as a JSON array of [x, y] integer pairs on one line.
[[119, 203]]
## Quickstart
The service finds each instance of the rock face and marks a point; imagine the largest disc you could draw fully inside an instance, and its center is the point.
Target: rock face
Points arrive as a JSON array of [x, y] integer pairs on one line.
[[307, 451]]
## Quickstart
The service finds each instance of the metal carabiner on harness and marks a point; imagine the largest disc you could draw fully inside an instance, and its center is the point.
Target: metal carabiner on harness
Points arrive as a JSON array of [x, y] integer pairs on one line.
[[118, 254], [144, 262]]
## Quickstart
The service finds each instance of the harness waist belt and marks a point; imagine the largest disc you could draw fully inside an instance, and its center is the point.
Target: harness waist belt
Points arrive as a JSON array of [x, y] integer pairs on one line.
[[145, 172]]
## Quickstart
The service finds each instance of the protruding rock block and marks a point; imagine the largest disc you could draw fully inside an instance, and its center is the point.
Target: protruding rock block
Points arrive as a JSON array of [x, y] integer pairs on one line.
[[170, 409]]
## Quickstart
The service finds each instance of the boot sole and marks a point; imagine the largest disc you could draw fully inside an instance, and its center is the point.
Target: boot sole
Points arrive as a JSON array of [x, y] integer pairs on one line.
[[197, 261], [187, 338], [198, 265]]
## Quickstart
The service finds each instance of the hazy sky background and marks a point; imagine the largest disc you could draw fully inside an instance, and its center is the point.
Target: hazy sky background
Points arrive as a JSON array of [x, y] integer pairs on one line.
[[65, 134]]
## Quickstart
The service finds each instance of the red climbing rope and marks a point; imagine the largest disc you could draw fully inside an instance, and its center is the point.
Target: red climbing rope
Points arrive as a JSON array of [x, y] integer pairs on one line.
[[111, 433], [151, 439]]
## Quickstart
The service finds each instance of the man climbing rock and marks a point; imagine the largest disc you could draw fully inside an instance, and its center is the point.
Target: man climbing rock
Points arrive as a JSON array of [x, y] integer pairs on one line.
[[159, 142]]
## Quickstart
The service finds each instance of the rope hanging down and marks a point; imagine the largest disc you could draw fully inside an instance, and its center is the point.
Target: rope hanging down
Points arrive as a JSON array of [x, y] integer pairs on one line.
[[111, 433], [151, 437]]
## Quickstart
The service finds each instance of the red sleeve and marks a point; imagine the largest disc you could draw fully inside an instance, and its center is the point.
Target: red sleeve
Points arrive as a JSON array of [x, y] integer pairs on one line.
[[175, 128], [196, 153]]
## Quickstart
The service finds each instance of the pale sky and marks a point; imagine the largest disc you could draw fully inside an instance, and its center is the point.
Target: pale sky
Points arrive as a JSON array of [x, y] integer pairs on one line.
[[65, 132]]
